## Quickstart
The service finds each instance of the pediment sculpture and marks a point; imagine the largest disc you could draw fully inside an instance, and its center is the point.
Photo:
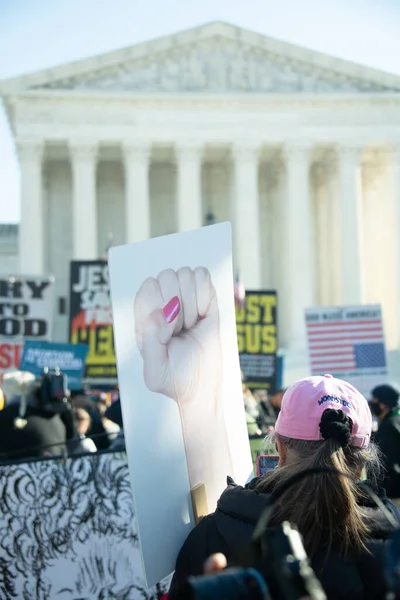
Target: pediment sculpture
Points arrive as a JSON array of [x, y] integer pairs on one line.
[[219, 65]]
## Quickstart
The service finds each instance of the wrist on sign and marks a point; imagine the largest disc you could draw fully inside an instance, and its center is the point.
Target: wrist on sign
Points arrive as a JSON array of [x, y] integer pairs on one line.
[[205, 406]]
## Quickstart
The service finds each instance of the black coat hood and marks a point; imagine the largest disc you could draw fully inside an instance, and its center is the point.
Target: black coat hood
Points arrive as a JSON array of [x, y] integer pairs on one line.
[[230, 528], [246, 505]]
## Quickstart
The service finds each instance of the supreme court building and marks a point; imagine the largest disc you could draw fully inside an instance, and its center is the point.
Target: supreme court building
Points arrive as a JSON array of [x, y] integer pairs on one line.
[[299, 150]]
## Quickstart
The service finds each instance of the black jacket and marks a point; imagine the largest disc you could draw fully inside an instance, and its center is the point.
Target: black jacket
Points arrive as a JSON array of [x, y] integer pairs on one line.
[[230, 528], [45, 434], [388, 439]]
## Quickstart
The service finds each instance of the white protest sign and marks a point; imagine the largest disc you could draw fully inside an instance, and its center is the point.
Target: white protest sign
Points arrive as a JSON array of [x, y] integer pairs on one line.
[[26, 313], [349, 343], [179, 378]]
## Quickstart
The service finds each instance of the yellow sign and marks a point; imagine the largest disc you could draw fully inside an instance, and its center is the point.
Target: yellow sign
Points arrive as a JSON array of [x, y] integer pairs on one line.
[[256, 324]]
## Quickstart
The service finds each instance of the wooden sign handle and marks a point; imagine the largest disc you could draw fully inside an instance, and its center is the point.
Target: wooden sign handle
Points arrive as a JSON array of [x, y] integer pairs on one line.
[[199, 501]]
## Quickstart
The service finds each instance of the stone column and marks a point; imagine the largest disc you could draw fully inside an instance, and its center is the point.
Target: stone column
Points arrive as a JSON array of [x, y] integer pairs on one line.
[[137, 198], [247, 215], [297, 241], [31, 234], [84, 204], [323, 248], [190, 212], [395, 183], [351, 225]]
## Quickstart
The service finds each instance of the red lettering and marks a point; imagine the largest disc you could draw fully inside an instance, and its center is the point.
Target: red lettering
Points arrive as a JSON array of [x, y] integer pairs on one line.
[[5, 356], [10, 356], [17, 355]]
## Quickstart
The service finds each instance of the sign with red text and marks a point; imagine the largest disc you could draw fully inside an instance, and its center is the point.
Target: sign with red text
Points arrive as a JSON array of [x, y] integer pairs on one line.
[[26, 313], [91, 316]]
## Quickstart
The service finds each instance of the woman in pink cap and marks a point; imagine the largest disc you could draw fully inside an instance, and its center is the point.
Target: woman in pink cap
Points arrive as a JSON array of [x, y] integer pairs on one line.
[[324, 422]]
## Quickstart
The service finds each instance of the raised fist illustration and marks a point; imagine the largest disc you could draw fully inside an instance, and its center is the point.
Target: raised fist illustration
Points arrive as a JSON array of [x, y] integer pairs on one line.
[[178, 333]]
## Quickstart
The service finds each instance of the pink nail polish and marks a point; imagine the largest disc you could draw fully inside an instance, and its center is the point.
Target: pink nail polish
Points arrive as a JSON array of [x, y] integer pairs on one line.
[[171, 310]]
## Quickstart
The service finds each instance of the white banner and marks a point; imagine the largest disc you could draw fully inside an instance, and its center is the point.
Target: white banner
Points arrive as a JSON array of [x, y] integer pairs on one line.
[[180, 385], [67, 531], [26, 313]]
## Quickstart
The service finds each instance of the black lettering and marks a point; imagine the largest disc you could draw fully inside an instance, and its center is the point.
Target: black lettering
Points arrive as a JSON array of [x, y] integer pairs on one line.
[[10, 289], [82, 335], [10, 327], [102, 346], [3, 308], [35, 327], [37, 288], [20, 310]]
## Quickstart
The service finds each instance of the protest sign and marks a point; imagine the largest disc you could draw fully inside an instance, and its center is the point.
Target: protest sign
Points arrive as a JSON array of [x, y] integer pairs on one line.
[[256, 324], [179, 379], [87, 541], [69, 358], [26, 312], [91, 316], [348, 342]]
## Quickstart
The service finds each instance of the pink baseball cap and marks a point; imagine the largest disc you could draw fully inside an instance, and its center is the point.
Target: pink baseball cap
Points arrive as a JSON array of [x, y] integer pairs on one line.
[[305, 401]]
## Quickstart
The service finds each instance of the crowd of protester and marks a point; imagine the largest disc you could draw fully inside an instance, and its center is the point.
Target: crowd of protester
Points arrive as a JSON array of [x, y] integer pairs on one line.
[[88, 422], [318, 422]]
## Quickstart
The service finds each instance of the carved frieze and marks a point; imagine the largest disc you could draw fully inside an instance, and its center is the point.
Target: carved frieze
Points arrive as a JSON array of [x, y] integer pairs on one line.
[[216, 65]]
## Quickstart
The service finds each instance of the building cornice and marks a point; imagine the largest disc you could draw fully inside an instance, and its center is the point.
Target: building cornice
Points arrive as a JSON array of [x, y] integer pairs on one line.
[[187, 98], [204, 32]]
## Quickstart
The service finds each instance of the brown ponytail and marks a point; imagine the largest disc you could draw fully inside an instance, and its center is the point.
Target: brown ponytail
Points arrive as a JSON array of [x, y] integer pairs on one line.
[[323, 506]]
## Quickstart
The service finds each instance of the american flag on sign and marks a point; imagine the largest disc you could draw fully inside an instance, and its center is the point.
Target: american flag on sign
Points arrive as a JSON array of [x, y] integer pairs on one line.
[[339, 346]]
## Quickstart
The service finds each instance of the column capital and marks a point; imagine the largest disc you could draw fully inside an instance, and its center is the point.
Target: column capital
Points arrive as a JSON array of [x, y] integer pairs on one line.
[[30, 149], [297, 149], [136, 150], [83, 150], [394, 153], [350, 152], [246, 152], [189, 151]]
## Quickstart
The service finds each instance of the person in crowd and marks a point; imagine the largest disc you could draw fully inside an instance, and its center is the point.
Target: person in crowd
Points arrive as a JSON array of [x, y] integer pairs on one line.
[[97, 432], [385, 406], [252, 426], [82, 444], [268, 412], [326, 423], [114, 413], [252, 410], [36, 432], [111, 428], [275, 400]]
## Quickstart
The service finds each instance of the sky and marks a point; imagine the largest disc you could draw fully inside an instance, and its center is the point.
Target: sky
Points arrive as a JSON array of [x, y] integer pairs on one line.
[[36, 34]]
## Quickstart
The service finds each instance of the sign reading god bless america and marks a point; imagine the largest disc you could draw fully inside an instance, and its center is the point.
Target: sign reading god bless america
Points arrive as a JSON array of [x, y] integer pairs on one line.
[[349, 343]]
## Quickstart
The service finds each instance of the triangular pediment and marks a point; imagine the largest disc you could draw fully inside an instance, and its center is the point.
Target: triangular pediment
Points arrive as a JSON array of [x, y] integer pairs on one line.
[[213, 58]]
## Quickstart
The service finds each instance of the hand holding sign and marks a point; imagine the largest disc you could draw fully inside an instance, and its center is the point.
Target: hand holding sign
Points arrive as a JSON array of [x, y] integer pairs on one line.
[[178, 334], [177, 331]]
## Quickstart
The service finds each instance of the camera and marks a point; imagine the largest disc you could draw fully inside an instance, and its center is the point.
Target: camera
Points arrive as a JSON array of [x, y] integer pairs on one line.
[[50, 394], [275, 566], [53, 391]]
